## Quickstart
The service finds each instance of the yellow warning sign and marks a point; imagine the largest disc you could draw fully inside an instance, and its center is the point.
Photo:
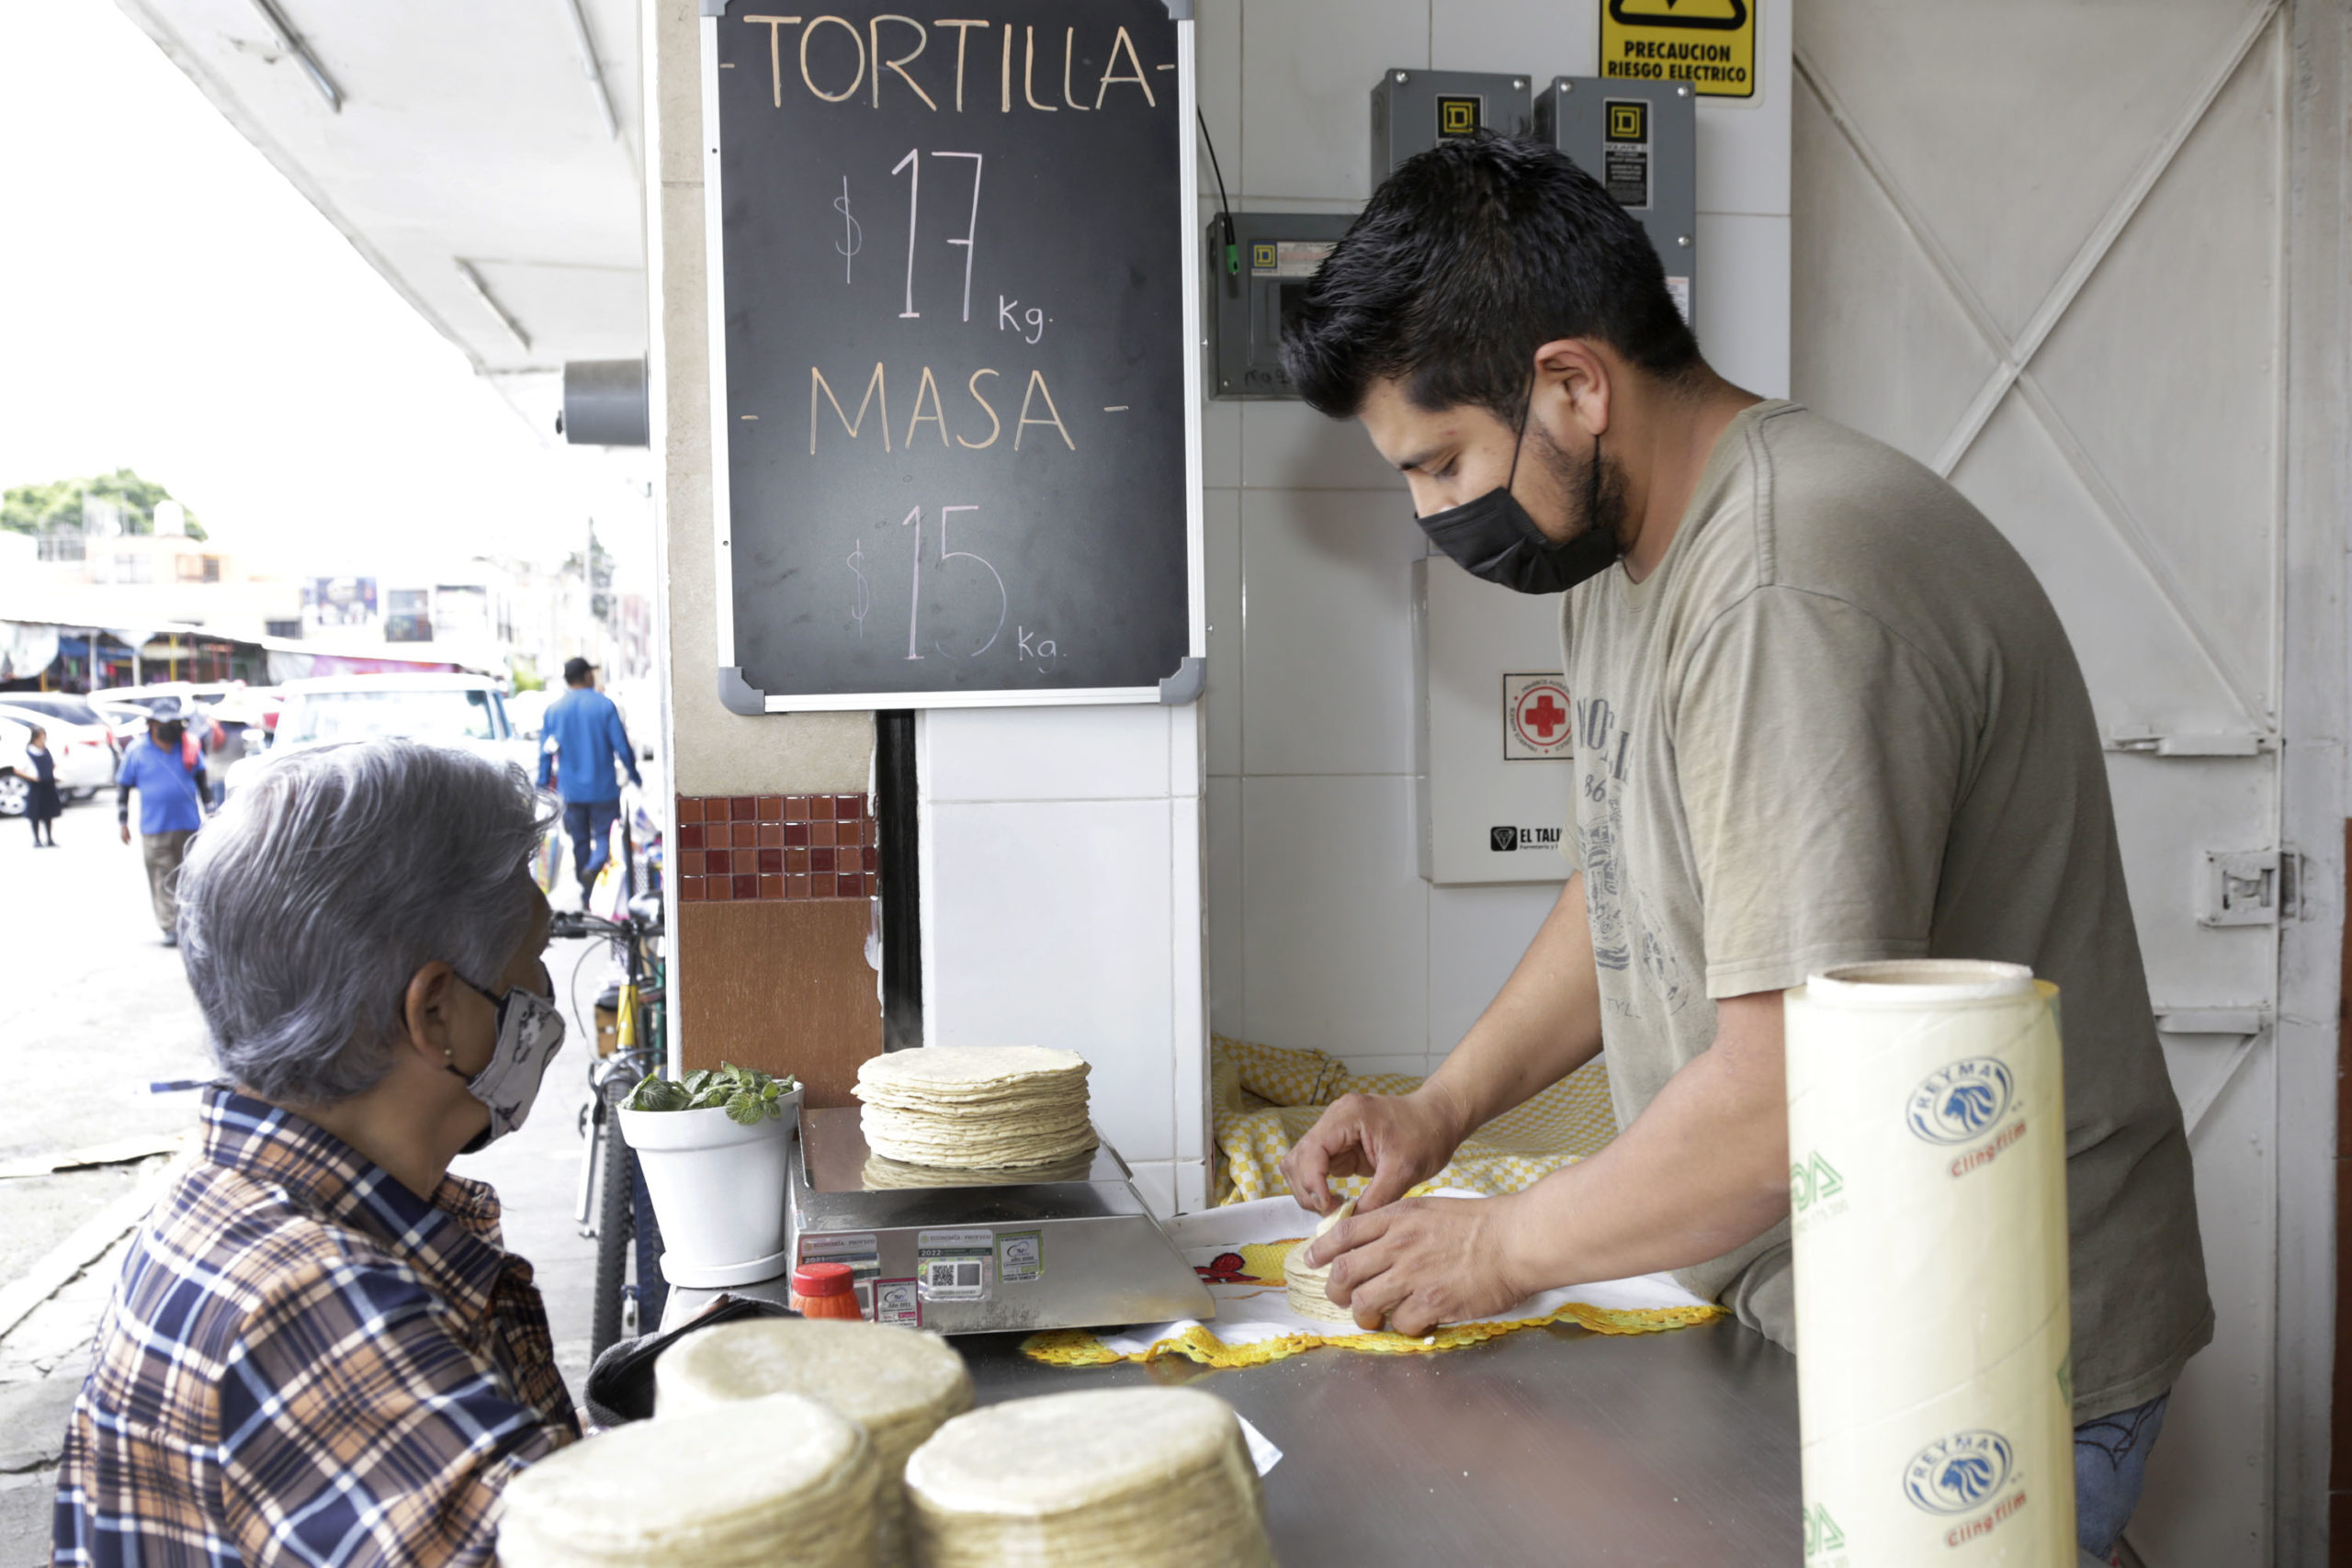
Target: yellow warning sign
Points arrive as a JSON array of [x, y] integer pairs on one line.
[[1710, 43]]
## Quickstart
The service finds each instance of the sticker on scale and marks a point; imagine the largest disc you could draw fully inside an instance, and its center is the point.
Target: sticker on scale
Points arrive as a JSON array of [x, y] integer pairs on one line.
[[859, 1250], [898, 1303], [1021, 1256], [954, 1266]]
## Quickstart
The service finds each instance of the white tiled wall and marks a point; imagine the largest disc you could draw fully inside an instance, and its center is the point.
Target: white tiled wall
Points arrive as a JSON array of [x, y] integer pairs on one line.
[[1062, 905], [1320, 932]]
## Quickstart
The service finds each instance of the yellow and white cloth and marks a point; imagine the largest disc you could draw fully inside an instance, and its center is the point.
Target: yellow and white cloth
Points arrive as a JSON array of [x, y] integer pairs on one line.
[[1265, 1097], [1238, 1250]]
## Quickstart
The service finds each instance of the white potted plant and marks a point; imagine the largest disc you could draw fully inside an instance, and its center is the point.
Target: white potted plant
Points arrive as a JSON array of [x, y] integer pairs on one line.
[[713, 1147]]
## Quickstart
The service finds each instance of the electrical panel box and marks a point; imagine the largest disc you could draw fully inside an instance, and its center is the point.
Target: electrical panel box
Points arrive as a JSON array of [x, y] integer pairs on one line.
[[1254, 290], [1640, 140], [1494, 731], [1412, 111]]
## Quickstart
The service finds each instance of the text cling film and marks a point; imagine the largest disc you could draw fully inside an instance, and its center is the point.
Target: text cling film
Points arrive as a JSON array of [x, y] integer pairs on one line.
[[1928, 1188]]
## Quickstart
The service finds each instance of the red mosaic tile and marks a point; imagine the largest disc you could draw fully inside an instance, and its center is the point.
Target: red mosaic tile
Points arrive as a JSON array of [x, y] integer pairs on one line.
[[718, 889], [742, 807], [715, 861], [690, 863], [771, 887], [795, 808], [690, 890], [689, 808], [771, 835], [796, 862], [747, 888], [796, 833], [873, 831], [771, 863], [771, 809], [822, 832], [820, 861], [746, 834], [848, 807], [873, 858], [873, 885], [690, 835], [820, 808], [795, 887]]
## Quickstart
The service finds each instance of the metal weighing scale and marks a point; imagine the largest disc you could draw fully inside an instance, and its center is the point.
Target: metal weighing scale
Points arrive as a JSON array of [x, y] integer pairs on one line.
[[1008, 1254]]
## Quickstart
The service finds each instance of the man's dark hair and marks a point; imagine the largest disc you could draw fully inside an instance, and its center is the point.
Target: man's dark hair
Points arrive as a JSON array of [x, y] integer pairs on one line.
[[1467, 259]]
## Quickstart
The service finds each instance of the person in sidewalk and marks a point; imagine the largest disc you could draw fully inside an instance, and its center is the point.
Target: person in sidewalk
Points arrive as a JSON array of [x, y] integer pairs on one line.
[[171, 791], [319, 1349], [43, 805], [580, 739]]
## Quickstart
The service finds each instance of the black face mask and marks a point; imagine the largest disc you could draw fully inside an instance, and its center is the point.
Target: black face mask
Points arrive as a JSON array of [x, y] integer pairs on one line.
[[1495, 538]]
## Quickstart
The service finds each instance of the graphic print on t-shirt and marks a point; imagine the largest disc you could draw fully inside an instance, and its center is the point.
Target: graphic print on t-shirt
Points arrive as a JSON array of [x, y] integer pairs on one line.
[[1621, 926]]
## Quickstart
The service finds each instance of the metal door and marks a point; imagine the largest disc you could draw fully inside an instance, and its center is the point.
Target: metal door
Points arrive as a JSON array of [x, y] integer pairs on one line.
[[2044, 248]]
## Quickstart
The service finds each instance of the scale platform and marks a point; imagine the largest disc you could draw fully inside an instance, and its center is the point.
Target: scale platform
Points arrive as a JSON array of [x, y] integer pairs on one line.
[[1012, 1252]]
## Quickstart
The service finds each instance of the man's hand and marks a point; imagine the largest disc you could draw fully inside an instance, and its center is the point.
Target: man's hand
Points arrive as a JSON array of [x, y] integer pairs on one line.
[[125, 832], [1423, 1262], [1398, 1140]]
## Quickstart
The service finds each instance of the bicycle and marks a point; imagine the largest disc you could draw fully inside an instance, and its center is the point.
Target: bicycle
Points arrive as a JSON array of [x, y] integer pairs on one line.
[[613, 1206]]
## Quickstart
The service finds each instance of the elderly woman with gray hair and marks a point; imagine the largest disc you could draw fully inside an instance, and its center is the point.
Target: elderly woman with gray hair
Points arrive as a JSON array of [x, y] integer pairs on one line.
[[319, 1352]]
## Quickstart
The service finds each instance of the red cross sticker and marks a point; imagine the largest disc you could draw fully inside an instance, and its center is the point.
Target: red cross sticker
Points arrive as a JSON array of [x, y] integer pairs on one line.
[[1544, 716], [1539, 721]]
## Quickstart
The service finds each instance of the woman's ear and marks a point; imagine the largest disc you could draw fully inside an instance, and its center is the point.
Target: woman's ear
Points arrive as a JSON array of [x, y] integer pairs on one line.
[[426, 1021]]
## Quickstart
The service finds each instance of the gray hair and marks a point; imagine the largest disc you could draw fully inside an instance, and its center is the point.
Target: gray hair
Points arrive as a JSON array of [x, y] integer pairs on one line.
[[326, 882]]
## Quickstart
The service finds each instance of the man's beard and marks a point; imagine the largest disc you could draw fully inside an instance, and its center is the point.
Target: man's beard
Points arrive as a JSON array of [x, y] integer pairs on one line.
[[1590, 500]]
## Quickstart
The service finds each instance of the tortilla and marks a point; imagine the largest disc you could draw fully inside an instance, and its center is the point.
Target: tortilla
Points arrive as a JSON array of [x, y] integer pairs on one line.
[[1109, 1478], [1308, 1287], [976, 1107]]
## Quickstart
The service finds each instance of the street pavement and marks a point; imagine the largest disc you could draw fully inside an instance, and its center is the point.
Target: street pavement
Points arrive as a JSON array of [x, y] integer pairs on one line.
[[98, 1011]]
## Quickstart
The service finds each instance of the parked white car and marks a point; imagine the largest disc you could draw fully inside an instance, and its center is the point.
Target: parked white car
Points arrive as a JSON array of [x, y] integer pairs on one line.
[[78, 739], [16, 768], [467, 712]]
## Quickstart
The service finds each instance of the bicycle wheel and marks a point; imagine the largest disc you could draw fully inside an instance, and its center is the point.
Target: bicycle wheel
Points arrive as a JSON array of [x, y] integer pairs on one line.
[[615, 1180], [653, 1287]]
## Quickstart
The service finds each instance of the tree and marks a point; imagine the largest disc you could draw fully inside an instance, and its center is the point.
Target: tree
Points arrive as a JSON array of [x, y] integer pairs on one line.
[[33, 509]]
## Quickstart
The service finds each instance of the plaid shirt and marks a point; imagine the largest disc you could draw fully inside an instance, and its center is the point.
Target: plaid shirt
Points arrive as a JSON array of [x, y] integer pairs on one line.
[[304, 1362]]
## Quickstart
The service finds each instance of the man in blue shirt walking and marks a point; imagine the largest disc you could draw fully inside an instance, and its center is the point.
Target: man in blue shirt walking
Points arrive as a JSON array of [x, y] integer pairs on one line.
[[172, 790], [581, 738]]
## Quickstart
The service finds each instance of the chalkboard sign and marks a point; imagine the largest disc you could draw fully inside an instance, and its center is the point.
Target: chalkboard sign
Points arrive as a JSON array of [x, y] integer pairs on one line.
[[953, 328]]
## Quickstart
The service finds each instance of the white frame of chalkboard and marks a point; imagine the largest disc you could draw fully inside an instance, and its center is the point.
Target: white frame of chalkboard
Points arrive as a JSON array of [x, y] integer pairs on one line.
[[1185, 683]]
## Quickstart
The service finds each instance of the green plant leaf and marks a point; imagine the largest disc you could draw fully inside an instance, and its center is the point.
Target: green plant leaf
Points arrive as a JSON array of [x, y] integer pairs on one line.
[[746, 1110], [697, 1080], [656, 1093]]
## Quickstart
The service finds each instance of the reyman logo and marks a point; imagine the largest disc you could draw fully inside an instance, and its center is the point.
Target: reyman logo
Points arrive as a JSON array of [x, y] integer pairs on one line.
[[1503, 841], [1957, 1104], [1957, 1473]]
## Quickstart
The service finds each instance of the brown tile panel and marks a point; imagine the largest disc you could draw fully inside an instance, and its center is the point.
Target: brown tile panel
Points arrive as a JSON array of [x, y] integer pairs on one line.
[[2340, 1423], [781, 984], [771, 847]]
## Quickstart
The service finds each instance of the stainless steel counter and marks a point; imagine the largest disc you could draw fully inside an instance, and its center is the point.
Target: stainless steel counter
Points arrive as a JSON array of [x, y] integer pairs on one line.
[[1550, 1446]]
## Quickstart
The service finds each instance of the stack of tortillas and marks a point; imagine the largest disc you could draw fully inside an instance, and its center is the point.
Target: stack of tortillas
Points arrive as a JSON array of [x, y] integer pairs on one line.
[[776, 1480], [886, 1175], [898, 1384], [1308, 1287], [1113, 1478], [975, 1107]]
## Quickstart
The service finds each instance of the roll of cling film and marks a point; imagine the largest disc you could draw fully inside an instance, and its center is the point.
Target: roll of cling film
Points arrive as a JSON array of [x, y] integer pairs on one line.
[[1928, 1198]]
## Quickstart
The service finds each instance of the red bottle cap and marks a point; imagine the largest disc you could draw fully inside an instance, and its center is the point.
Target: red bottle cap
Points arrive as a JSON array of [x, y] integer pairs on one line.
[[821, 1279]]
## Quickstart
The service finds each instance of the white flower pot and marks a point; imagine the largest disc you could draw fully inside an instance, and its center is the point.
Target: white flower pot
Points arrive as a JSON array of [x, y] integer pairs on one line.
[[719, 1190]]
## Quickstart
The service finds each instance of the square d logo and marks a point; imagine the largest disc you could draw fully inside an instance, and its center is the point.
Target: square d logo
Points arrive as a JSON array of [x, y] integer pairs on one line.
[[1457, 117], [1264, 257], [1502, 840], [1628, 121]]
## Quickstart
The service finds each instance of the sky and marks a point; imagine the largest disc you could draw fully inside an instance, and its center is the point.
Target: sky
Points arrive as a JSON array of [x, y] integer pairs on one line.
[[169, 303]]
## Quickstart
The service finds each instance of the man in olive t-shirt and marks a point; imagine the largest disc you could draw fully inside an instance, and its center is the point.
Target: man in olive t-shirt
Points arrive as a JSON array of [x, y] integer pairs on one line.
[[1824, 715]]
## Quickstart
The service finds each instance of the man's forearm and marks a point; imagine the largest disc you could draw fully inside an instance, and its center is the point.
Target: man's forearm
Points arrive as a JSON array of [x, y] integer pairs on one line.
[[1703, 1170], [1543, 1025]]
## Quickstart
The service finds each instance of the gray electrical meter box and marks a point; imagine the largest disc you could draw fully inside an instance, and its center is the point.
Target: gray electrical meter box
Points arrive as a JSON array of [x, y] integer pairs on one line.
[[1412, 111], [1640, 140], [1252, 292]]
